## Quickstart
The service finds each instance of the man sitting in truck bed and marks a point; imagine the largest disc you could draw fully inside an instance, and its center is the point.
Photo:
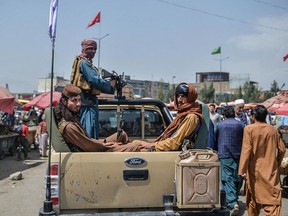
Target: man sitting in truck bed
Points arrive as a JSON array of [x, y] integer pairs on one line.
[[186, 122], [68, 120]]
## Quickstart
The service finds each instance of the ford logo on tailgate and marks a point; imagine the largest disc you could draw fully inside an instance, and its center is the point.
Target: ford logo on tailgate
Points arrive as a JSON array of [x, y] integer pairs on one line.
[[135, 162]]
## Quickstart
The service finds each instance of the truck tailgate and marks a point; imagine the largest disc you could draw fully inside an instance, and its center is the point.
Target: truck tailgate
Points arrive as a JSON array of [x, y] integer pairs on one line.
[[104, 180]]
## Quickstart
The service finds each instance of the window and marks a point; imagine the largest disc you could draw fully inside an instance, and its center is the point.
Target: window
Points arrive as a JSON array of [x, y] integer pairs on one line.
[[131, 123]]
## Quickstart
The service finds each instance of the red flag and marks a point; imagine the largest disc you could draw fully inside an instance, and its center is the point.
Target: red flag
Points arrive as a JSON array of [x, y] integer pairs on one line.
[[95, 20], [285, 57]]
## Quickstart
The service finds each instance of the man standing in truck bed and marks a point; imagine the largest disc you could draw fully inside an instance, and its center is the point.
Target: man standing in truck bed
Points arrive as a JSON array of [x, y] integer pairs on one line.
[[86, 76]]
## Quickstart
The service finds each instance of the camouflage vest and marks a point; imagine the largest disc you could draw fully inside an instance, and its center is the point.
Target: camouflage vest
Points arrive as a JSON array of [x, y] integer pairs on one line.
[[199, 137], [77, 78], [61, 126]]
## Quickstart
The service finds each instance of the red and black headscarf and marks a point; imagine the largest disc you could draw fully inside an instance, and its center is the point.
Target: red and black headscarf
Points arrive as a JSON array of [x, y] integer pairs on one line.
[[191, 107], [89, 47]]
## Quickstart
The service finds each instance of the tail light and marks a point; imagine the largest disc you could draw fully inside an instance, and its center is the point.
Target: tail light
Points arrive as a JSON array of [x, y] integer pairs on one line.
[[55, 183], [54, 169]]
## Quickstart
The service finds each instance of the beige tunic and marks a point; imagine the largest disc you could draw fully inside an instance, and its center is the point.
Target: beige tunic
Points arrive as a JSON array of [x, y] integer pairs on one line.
[[186, 127], [261, 156]]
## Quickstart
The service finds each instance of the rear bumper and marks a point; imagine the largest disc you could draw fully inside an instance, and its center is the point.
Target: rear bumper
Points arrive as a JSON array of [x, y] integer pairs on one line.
[[205, 212]]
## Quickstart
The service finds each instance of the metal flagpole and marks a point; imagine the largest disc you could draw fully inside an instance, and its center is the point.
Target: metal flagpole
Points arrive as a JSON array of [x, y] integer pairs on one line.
[[99, 41], [48, 205], [47, 208]]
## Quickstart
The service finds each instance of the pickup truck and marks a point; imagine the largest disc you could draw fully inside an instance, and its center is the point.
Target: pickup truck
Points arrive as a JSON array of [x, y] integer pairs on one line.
[[134, 183]]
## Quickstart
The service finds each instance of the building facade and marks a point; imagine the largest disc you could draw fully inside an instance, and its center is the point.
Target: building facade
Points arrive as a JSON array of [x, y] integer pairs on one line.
[[224, 84]]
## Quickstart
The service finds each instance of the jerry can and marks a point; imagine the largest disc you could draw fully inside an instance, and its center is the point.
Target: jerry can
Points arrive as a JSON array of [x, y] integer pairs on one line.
[[197, 179]]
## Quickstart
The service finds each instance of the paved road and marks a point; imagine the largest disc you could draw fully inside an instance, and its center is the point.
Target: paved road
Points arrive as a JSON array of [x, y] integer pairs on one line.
[[24, 197]]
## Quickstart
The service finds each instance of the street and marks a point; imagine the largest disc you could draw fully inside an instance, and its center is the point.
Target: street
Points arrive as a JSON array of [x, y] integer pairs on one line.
[[26, 196], [23, 197]]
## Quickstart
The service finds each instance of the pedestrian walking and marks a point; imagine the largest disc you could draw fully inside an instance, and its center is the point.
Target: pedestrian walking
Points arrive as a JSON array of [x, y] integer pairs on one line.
[[229, 135], [23, 146], [214, 116], [261, 156], [42, 133]]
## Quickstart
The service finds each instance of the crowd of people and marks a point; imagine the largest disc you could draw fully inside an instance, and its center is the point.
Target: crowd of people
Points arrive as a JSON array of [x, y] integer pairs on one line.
[[250, 149], [20, 124]]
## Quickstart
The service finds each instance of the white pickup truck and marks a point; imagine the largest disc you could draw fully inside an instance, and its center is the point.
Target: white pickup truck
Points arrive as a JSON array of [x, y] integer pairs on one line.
[[135, 183]]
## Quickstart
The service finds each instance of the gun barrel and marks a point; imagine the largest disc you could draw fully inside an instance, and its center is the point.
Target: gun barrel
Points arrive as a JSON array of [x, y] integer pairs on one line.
[[106, 74]]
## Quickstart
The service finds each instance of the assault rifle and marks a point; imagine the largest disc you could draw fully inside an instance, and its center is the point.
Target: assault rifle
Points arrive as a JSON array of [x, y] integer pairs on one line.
[[120, 82]]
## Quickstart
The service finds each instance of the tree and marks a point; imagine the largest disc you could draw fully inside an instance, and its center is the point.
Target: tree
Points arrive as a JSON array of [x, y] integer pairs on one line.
[[207, 94], [251, 93], [238, 94], [274, 89], [170, 95]]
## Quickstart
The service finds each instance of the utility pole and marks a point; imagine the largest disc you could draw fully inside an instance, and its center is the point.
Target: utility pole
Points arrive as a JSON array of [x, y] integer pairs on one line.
[[99, 45], [220, 89]]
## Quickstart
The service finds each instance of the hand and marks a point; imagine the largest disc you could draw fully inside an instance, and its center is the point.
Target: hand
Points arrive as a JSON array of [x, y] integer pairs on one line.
[[112, 83], [143, 144], [112, 145]]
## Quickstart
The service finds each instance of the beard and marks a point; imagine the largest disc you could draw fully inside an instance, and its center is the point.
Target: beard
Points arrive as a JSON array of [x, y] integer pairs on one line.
[[62, 111]]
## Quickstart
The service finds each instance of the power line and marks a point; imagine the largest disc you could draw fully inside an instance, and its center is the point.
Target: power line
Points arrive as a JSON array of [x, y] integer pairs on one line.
[[272, 5], [221, 16]]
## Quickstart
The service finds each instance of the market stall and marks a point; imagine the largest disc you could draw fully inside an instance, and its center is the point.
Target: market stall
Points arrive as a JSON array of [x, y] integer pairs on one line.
[[279, 105], [7, 142]]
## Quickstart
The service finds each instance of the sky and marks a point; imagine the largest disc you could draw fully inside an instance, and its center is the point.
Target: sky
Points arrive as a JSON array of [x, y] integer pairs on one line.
[[148, 39]]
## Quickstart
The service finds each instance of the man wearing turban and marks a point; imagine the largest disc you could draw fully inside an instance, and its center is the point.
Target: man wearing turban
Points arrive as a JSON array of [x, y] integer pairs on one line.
[[86, 76], [239, 112], [188, 117]]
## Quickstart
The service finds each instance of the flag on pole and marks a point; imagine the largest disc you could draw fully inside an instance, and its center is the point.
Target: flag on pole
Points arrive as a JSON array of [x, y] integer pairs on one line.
[[285, 57], [53, 19], [216, 51], [95, 20]]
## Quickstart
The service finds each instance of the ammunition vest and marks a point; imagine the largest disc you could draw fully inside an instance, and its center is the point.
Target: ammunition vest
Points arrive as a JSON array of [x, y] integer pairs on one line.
[[77, 78], [61, 127]]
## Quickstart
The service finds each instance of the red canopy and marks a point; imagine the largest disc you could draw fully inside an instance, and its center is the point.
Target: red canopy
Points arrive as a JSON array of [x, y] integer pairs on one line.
[[283, 110], [7, 101], [43, 100], [278, 103]]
